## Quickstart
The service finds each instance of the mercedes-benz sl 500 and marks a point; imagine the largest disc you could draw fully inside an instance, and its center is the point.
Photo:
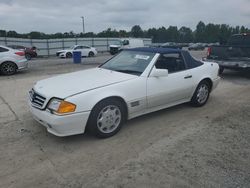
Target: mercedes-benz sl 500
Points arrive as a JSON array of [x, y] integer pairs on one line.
[[134, 82]]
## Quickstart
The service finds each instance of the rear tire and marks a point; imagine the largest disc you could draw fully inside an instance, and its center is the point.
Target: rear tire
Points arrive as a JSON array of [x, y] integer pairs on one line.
[[68, 55], [8, 68], [28, 56], [201, 94], [106, 118], [221, 69]]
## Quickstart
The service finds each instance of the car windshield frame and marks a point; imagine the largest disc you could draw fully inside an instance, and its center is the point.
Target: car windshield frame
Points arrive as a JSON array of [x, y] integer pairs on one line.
[[129, 62]]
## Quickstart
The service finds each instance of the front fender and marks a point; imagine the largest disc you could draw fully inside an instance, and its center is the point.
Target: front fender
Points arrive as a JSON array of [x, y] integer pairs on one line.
[[130, 91]]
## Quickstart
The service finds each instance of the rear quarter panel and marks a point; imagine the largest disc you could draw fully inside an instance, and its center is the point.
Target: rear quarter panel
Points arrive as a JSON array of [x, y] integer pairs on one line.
[[207, 70]]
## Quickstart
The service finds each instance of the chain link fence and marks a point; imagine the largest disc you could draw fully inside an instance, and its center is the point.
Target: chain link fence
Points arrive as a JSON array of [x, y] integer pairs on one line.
[[48, 47]]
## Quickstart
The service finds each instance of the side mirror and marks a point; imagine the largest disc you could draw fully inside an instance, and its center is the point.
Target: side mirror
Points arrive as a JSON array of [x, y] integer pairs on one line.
[[126, 42], [159, 72]]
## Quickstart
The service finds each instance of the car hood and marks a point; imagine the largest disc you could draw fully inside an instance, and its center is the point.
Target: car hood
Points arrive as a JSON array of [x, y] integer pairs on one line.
[[74, 83]]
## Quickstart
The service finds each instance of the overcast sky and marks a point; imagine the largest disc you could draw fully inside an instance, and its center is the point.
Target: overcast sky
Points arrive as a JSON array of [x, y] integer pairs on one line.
[[52, 16]]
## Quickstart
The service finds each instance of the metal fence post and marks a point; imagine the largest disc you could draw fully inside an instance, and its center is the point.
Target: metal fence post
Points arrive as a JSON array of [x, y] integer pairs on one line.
[[31, 43], [63, 43], [48, 46], [76, 40], [5, 40], [107, 44], [93, 42]]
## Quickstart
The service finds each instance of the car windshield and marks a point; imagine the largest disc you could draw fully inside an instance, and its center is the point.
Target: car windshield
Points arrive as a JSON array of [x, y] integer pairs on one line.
[[117, 42], [130, 62]]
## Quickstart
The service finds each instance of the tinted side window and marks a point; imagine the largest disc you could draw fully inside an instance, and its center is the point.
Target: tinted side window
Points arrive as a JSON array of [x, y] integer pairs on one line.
[[20, 47], [190, 61], [171, 61], [126, 42], [246, 40], [235, 40], [241, 40], [86, 47], [3, 49], [78, 47]]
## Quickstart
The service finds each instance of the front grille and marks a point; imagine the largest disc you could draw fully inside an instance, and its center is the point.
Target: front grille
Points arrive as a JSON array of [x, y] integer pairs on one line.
[[36, 99]]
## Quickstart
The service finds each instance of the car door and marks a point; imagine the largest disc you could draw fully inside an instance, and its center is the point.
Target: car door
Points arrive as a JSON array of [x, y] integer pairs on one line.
[[3, 53], [79, 49], [171, 89], [85, 51]]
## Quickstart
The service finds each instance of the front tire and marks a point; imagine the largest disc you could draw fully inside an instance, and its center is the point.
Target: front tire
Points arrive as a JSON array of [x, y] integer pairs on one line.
[[8, 68], [68, 55], [201, 94], [106, 118], [91, 54]]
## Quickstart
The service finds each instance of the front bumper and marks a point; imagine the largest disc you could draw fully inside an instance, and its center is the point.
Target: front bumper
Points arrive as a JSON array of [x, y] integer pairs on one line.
[[61, 125], [22, 64], [62, 55], [113, 50]]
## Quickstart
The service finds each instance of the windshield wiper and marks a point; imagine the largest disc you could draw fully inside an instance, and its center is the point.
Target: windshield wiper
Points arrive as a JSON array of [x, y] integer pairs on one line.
[[128, 71]]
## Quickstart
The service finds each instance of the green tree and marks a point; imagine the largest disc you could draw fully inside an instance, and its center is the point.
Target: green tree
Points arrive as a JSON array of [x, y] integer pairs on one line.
[[185, 35], [172, 34], [3, 33], [224, 33], [152, 33], [123, 33], [200, 32], [136, 31], [12, 34], [37, 35]]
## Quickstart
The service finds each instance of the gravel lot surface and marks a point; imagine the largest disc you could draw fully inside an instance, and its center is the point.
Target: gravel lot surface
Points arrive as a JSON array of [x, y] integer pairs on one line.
[[181, 146]]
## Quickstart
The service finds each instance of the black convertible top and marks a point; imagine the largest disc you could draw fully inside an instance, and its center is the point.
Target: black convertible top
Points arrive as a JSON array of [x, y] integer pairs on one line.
[[155, 50]]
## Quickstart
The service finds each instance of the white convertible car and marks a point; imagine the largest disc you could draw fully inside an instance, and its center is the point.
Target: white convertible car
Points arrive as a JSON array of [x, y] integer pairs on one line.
[[135, 82]]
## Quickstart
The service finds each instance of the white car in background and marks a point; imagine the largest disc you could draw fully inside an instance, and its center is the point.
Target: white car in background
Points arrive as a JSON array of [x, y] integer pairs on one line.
[[11, 60], [122, 44], [86, 51], [135, 82]]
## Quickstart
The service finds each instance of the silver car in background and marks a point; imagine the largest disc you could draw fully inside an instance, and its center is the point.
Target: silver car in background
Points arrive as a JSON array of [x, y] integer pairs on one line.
[[11, 60]]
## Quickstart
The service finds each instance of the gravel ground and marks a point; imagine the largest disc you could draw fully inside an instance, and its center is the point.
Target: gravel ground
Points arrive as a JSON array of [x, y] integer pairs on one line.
[[177, 147]]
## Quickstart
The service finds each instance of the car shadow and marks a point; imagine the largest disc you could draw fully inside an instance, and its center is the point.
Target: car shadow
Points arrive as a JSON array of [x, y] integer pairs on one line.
[[88, 138], [238, 77]]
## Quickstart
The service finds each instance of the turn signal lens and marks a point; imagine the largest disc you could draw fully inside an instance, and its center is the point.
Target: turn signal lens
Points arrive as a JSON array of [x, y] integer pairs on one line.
[[66, 107]]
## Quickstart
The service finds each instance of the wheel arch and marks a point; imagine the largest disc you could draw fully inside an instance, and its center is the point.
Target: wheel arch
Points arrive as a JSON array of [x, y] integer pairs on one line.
[[209, 81], [8, 62], [91, 53], [118, 98]]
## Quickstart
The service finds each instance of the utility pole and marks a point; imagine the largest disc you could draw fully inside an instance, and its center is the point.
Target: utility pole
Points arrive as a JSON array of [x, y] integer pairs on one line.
[[83, 27]]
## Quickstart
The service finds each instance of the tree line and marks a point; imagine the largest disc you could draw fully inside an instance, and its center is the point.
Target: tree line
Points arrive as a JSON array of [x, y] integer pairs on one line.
[[206, 33]]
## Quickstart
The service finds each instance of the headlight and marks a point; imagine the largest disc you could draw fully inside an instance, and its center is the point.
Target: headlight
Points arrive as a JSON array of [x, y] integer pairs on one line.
[[61, 107]]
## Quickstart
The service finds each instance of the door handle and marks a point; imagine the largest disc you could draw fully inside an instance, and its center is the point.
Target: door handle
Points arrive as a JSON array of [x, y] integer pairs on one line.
[[188, 76]]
